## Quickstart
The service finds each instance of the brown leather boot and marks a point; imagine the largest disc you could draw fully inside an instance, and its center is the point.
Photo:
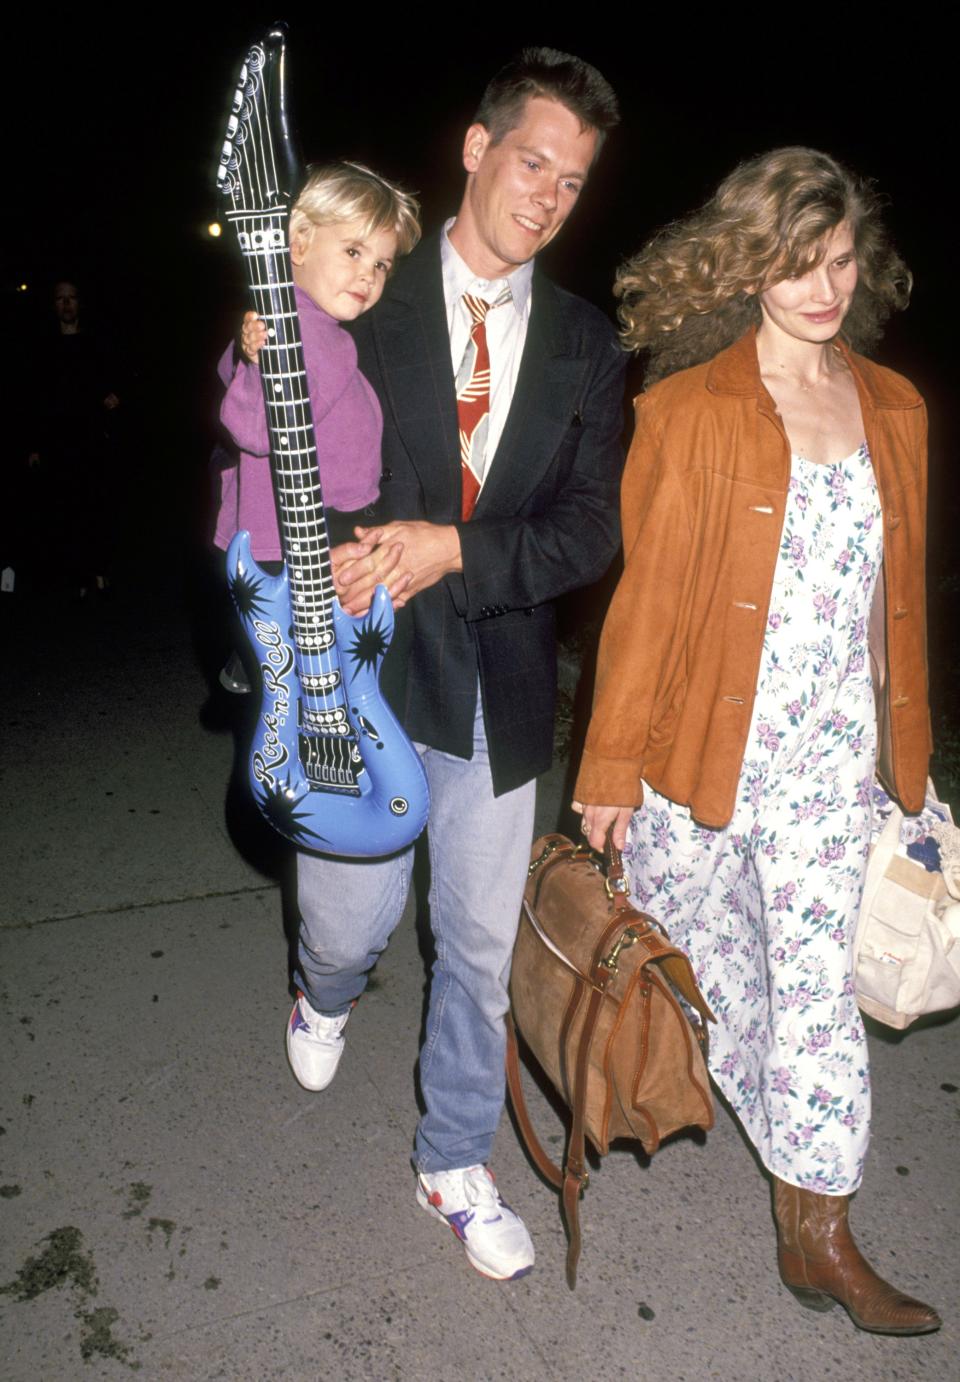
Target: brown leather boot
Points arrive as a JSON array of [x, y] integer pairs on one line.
[[820, 1263]]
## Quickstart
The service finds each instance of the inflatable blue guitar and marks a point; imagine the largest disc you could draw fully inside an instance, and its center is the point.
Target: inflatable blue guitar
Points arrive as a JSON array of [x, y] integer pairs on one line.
[[330, 767]]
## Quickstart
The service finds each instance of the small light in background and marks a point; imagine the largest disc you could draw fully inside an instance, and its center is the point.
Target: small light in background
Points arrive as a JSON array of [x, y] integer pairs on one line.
[[21, 287], [214, 229]]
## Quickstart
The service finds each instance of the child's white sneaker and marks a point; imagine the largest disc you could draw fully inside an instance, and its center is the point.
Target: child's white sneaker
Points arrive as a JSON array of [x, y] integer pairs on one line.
[[314, 1044]]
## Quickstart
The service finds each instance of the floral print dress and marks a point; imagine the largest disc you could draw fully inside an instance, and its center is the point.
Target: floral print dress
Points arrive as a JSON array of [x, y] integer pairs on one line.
[[766, 907]]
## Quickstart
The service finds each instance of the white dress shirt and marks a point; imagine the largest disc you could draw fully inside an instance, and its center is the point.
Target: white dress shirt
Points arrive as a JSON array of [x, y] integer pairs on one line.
[[506, 329]]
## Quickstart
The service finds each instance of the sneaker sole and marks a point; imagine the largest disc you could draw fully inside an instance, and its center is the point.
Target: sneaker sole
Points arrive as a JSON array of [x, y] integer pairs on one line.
[[477, 1266]]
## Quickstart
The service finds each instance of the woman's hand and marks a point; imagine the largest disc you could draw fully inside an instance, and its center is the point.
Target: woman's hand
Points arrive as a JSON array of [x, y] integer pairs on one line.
[[597, 820], [253, 336]]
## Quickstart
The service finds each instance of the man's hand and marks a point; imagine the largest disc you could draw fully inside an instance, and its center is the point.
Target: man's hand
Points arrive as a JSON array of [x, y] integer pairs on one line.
[[359, 567], [430, 551], [597, 821]]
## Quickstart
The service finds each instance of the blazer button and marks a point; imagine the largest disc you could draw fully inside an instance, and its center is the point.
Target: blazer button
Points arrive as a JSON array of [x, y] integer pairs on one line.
[[386, 474], [893, 521], [900, 612]]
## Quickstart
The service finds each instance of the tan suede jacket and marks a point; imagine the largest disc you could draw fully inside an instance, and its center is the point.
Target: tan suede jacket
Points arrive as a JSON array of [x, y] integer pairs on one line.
[[703, 498]]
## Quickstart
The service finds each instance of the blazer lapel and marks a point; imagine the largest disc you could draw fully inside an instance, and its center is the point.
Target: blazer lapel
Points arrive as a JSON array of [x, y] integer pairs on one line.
[[542, 408], [413, 344]]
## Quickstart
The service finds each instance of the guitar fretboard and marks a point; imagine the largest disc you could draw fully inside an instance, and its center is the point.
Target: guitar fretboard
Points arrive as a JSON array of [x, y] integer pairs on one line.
[[296, 483]]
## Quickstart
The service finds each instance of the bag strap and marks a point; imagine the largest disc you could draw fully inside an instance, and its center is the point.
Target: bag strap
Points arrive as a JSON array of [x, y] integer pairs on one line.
[[541, 1158], [881, 852], [573, 1178]]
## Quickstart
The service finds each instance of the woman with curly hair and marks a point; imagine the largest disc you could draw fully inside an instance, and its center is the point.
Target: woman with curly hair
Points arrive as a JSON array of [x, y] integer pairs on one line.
[[752, 649]]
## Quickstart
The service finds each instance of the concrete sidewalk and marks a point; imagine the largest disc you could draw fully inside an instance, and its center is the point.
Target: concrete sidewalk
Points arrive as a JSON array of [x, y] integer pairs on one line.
[[173, 1203]]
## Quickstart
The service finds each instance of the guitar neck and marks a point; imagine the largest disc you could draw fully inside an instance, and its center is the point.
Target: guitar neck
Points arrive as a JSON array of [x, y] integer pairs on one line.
[[293, 450]]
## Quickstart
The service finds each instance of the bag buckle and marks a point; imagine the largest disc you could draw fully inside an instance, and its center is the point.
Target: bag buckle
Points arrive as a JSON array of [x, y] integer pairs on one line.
[[627, 938], [579, 851], [542, 857], [617, 885]]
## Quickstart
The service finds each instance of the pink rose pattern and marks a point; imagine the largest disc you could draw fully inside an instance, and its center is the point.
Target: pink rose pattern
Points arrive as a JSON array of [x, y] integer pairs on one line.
[[766, 907]]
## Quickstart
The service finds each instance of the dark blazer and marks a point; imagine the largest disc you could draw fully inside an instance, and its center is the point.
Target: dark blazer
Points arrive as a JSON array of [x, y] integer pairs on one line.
[[546, 520]]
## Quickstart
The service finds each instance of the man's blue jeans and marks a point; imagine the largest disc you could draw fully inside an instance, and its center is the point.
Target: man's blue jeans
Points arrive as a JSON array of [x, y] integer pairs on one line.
[[479, 852]]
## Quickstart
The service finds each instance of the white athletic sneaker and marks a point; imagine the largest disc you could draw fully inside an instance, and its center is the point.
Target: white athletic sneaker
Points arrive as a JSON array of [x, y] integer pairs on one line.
[[496, 1240], [314, 1044]]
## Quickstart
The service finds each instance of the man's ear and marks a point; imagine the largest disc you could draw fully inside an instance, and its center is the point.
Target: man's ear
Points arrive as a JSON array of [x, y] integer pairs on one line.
[[475, 145]]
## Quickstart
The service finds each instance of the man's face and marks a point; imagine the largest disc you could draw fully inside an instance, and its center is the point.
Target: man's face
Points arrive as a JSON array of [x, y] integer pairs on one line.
[[66, 304], [519, 192]]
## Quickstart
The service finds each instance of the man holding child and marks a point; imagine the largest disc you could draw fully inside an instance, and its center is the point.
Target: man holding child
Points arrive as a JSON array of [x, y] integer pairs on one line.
[[501, 399]]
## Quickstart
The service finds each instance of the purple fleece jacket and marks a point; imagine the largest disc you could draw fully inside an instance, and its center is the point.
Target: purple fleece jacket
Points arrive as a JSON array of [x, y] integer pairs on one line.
[[347, 421]]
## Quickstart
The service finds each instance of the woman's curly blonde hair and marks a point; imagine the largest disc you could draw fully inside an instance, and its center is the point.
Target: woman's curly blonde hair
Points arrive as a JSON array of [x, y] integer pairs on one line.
[[692, 290]]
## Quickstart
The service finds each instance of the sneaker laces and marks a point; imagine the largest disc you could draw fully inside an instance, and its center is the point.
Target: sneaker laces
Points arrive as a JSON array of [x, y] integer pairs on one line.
[[481, 1191], [321, 1027]]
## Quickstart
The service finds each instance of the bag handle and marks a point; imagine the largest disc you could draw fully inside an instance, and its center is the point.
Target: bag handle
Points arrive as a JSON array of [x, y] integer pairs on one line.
[[883, 850]]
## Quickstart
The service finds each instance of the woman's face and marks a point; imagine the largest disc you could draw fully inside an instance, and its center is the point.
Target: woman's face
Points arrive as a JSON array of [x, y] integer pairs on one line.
[[812, 306]]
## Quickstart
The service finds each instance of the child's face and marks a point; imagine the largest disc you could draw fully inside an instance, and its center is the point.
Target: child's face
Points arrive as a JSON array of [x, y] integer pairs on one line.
[[343, 272]]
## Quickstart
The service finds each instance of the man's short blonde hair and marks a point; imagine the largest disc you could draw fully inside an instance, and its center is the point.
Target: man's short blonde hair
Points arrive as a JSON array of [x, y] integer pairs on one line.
[[343, 191]]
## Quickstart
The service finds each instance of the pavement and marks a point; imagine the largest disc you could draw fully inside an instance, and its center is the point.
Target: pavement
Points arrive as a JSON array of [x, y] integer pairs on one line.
[[173, 1204]]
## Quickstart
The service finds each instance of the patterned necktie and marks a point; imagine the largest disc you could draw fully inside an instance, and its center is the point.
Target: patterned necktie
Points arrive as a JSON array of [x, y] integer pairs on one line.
[[473, 399]]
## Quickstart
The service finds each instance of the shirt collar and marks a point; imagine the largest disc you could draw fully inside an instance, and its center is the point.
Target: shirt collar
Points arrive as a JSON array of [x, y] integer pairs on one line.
[[459, 278]]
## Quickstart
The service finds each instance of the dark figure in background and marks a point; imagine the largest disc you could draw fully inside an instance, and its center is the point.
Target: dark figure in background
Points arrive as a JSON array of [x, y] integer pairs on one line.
[[495, 509], [74, 397]]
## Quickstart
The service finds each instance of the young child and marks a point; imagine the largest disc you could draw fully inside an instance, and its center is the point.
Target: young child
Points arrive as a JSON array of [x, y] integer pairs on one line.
[[346, 229]]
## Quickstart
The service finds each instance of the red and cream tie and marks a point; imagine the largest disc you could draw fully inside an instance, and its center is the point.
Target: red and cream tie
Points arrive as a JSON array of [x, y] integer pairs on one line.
[[473, 400]]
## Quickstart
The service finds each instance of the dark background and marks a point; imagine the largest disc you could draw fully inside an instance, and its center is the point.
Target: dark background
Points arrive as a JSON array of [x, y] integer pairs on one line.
[[114, 129]]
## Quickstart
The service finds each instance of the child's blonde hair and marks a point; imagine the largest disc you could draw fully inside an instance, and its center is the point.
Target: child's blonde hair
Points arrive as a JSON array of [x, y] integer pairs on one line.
[[350, 192]]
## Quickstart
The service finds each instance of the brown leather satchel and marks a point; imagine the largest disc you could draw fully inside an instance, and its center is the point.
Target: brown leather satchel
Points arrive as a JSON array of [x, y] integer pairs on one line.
[[592, 994]]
